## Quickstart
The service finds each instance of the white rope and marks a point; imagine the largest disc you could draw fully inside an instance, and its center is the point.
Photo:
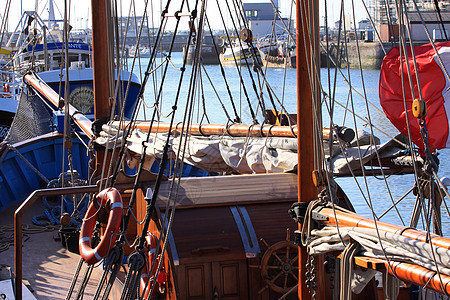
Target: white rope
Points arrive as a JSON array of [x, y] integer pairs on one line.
[[391, 286]]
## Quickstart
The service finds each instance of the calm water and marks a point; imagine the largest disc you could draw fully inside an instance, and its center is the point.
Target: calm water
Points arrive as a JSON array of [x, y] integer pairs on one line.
[[280, 80]]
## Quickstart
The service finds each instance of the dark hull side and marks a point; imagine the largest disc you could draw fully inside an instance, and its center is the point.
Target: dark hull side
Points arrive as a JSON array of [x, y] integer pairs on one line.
[[208, 56], [6, 119], [44, 153]]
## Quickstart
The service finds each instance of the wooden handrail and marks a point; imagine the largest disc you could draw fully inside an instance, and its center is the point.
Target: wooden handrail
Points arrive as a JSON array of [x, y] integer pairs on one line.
[[23, 208]]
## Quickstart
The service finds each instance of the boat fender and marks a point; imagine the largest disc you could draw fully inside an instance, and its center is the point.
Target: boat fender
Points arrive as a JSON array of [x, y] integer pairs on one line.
[[111, 200], [6, 88], [344, 133], [97, 125]]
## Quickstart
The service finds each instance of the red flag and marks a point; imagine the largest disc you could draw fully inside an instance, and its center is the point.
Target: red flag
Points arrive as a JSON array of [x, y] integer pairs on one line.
[[435, 91]]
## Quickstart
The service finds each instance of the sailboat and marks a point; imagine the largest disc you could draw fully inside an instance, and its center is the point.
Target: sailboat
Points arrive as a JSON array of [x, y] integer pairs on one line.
[[230, 235]]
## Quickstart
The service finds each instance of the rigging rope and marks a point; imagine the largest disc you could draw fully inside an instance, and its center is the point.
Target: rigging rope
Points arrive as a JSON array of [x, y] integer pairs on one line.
[[126, 130], [252, 113], [137, 265], [370, 122], [237, 119], [7, 236]]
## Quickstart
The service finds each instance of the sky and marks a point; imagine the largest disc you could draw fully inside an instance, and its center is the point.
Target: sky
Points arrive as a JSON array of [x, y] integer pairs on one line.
[[81, 15]]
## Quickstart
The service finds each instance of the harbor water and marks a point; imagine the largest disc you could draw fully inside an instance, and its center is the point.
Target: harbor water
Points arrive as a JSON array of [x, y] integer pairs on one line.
[[378, 192]]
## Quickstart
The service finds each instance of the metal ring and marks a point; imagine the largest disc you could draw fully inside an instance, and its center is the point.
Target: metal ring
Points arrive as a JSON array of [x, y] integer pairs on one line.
[[200, 129], [227, 129]]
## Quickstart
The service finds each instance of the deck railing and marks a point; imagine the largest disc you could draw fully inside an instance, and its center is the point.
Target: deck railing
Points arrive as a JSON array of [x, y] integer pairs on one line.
[[23, 208]]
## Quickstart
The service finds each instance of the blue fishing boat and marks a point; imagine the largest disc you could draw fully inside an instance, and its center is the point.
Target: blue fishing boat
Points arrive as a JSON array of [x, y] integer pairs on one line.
[[81, 92], [33, 151]]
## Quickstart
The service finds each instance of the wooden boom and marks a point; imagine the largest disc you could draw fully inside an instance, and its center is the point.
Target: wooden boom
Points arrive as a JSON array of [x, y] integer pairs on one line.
[[405, 271], [238, 130], [39, 85]]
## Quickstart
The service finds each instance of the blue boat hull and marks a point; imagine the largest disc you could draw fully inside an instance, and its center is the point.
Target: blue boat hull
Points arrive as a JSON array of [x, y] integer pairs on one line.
[[45, 153], [84, 78]]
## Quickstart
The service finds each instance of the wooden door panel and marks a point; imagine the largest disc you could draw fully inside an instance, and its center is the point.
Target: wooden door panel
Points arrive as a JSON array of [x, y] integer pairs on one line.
[[194, 281], [230, 279]]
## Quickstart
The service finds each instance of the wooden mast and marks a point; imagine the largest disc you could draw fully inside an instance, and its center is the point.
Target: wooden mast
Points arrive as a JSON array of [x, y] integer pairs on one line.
[[101, 59], [305, 95], [101, 69]]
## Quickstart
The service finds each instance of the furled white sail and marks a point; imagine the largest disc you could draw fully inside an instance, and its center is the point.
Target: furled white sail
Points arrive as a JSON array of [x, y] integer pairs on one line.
[[243, 155]]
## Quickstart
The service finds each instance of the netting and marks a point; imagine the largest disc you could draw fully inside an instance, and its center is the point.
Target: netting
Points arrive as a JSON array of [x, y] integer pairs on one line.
[[32, 119]]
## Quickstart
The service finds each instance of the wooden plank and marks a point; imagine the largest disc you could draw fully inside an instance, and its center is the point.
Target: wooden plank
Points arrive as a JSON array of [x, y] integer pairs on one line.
[[369, 263], [231, 190]]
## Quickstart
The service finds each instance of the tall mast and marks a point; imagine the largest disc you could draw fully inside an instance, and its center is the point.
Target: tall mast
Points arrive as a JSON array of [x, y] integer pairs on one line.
[[102, 71], [100, 55], [51, 14], [307, 27]]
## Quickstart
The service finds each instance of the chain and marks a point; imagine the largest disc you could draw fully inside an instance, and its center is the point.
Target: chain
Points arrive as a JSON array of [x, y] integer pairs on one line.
[[311, 276], [330, 268]]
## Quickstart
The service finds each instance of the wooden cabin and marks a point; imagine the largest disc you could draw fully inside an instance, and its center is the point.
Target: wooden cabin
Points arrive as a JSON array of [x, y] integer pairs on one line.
[[231, 237]]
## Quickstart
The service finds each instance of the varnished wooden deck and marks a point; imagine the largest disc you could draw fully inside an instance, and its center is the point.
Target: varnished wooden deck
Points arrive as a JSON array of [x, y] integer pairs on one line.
[[47, 265]]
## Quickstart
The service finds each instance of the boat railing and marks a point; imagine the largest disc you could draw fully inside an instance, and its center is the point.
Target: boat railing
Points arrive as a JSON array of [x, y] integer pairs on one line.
[[9, 84], [23, 208]]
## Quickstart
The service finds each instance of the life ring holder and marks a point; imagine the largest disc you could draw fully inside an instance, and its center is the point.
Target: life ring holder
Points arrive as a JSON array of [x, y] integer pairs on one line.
[[108, 198]]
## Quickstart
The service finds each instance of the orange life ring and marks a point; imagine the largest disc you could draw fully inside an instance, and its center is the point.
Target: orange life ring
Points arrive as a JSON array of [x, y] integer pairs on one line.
[[6, 88], [110, 199], [150, 251]]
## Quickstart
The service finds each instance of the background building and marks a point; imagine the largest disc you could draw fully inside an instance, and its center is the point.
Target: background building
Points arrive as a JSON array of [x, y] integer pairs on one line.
[[387, 20], [263, 19]]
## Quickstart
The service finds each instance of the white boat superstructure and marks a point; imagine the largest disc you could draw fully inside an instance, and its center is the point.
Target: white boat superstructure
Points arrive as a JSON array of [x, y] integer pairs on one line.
[[240, 53]]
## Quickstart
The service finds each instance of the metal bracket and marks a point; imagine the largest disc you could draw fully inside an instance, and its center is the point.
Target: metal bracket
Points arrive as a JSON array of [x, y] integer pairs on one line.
[[298, 211], [318, 217]]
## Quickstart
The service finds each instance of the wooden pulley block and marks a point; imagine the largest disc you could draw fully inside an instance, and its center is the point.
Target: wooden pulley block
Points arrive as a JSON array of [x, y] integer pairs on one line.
[[319, 178], [65, 219], [246, 35], [419, 109]]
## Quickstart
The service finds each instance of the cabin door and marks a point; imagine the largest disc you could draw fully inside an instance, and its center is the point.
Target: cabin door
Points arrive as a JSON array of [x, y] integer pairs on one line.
[[214, 280]]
